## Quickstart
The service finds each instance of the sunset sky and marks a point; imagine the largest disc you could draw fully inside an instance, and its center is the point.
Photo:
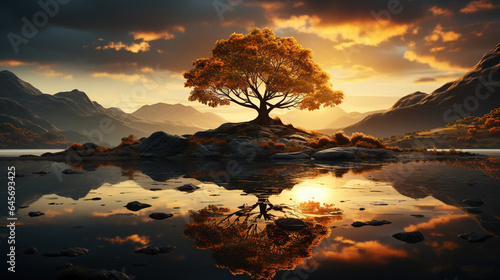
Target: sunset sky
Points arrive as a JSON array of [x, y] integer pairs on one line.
[[130, 53]]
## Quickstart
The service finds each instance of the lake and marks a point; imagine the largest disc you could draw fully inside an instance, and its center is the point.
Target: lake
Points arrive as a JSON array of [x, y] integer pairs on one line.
[[223, 219]]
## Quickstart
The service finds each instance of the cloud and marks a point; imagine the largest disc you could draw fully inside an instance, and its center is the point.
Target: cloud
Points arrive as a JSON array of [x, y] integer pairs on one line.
[[478, 5], [424, 80], [120, 77], [433, 62], [370, 33], [437, 11], [152, 36], [135, 238], [134, 47], [373, 251], [439, 35], [433, 223]]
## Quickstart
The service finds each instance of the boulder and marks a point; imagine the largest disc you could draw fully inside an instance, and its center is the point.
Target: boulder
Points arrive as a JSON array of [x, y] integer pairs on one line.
[[161, 144], [370, 223], [349, 153], [473, 210], [36, 214], [475, 237], [153, 250], [70, 171], [188, 188], [411, 237], [473, 202], [64, 266], [290, 156], [90, 146], [207, 151], [290, 224], [30, 251], [136, 206], [160, 216], [107, 275]]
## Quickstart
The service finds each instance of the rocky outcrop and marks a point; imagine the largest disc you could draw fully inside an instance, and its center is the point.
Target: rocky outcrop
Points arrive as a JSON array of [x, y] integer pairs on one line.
[[412, 237], [136, 206], [68, 252], [161, 144], [350, 153], [154, 250]]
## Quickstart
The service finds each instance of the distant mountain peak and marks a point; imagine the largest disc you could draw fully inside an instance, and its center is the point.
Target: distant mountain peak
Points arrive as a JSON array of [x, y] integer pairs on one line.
[[178, 113], [11, 86]]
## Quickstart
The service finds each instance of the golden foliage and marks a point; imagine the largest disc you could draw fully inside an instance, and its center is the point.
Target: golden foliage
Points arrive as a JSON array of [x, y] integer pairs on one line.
[[195, 141], [129, 141], [13, 137], [241, 63], [260, 255]]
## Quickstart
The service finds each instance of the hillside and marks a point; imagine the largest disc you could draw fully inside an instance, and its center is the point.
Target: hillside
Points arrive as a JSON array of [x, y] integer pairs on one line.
[[77, 118], [179, 114], [471, 132], [475, 93]]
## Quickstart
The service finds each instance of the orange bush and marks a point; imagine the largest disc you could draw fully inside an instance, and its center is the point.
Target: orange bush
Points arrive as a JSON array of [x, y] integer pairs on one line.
[[322, 143], [76, 147], [129, 141], [374, 142], [494, 131], [270, 144], [341, 138], [364, 144], [195, 141]]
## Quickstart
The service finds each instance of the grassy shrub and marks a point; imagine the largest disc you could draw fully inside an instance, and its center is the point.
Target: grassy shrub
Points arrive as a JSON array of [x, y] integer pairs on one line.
[[129, 141], [76, 147], [341, 138], [293, 147], [270, 144], [322, 143], [364, 144], [360, 137], [195, 141]]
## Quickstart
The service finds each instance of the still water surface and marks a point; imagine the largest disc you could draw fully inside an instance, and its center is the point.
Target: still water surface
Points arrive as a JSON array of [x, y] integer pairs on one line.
[[213, 244]]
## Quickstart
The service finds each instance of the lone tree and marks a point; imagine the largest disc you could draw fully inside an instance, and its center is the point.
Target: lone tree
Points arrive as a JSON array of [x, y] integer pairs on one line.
[[261, 71]]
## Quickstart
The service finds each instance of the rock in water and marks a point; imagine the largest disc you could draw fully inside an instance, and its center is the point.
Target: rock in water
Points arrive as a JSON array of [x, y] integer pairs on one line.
[[161, 144], [36, 214], [160, 216], [473, 210], [290, 224], [188, 188], [30, 251], [473, 202], [475, 237], [68, 252], [136, 206], [64, 266], [370, 223], [409, 237], [71, 171], [153, 250], [349, 153], [290, 156], [107, 275]]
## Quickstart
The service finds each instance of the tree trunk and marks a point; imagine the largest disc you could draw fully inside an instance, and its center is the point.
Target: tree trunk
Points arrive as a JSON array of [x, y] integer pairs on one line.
[[263, 117]]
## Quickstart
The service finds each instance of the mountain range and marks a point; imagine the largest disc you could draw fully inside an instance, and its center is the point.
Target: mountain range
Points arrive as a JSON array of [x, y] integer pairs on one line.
[[473, 94], [326, 118], [79, 119]]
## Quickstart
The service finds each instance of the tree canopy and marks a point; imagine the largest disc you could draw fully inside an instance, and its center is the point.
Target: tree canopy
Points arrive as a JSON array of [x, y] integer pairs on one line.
[[261, 71]]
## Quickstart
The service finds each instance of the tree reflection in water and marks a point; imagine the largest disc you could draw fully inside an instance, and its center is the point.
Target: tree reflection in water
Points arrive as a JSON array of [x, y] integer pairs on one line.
[[248, 240]]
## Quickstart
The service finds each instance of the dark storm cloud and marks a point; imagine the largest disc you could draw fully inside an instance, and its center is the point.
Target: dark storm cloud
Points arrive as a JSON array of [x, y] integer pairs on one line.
[[70, 38]]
